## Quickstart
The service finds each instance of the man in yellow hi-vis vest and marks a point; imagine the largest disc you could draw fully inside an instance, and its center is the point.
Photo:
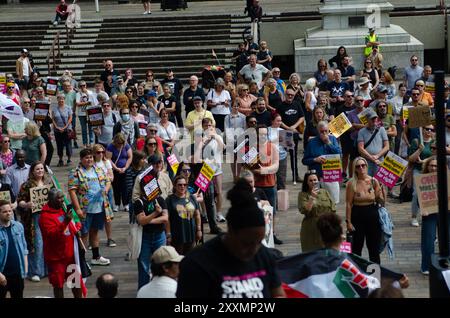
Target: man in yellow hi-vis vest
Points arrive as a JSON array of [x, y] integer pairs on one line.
[[371, 40]]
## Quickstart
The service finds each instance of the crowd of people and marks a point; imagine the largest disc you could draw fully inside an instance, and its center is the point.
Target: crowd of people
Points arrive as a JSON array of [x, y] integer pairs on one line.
[[147, 121]]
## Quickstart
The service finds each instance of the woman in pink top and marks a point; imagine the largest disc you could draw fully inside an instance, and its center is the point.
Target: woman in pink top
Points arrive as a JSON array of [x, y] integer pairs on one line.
[[244, 99]]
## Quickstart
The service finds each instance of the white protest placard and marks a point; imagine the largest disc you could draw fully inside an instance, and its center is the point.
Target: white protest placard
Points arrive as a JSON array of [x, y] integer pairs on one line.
[[39, 197]]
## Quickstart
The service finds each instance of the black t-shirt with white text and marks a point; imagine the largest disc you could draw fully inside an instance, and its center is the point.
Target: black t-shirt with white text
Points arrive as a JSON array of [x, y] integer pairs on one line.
[[175, 86], [210, 271], [290, 113]]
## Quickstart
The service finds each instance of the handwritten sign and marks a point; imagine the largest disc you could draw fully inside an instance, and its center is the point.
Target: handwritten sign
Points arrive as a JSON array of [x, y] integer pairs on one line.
[[52, 86], [346, 247], [39, 197], [332, 168], [173, 162], [419, 116], [5, 196], [41, 110], [339, 125], [390, 171], [149, 184], [142, 128], [204, 177], [2, 82], [427, 192], [95, 115]]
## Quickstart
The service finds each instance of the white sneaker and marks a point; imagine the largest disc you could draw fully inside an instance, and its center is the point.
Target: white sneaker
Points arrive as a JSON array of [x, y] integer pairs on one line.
[[100, 261], [149, 12], [145, 12], [220, 218], [414, 222], [425, 272], [35, 278], [115, 208], [55, 23], [126, 208]]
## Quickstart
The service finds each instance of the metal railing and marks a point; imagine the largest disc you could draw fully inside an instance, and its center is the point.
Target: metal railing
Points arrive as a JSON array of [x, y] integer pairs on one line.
[[54, 57]]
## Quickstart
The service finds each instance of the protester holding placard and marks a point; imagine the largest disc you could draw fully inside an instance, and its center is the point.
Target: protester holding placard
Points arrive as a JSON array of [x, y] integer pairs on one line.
[[153, 216], [88, 190], [38, 178], [184, 217], [373, 142], [121, 155], [419, 150], [362, 218], [85, 98], [313, 202], [397, 102], [100, 161], [61, 115], [274, 137], [315, 156]]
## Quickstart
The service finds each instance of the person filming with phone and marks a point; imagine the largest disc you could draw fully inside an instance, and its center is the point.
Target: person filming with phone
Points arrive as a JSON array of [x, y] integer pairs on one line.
[[312, 203]]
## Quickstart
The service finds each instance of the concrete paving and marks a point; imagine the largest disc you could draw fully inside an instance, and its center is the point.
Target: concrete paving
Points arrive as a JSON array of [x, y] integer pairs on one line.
[[406, 242]]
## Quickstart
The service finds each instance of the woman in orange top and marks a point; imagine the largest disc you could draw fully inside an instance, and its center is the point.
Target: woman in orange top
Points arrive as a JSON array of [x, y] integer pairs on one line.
[[424, 97], [244, 99], [265, 170]]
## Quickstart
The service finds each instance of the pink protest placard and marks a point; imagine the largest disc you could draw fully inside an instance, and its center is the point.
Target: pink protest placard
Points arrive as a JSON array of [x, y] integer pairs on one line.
[[391, 169], [204, 177], [332, 168], [346, 247]]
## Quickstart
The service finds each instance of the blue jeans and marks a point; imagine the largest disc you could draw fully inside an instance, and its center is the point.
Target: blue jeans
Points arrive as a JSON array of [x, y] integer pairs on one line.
[[36, 265], [428, 236], [150, 243], [84, 131], [271, 194]]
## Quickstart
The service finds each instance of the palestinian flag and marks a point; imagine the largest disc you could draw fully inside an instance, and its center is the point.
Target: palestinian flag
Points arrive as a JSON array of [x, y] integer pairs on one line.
[[326, 273]]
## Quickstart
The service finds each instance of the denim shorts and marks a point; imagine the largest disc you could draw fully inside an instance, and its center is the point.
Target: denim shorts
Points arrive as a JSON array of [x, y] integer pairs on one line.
[[93, 221]]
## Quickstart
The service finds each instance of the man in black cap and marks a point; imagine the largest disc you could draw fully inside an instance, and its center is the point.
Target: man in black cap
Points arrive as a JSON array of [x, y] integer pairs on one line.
[[176, 88]]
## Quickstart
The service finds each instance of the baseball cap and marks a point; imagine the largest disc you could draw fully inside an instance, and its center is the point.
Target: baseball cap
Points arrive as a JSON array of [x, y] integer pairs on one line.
[[10, 84], [371, 29], [382, 89], [197, 98], [371, 114], [151, 93], [24, 51], [166, 254]]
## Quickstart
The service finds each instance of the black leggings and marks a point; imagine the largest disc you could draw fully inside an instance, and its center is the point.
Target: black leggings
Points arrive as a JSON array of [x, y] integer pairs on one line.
[[14, 285], [293, 154], [366, 222], [63, 141], [119, 185]]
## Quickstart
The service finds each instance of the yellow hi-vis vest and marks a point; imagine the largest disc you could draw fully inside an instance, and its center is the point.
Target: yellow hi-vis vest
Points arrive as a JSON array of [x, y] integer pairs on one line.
[[373, 38]]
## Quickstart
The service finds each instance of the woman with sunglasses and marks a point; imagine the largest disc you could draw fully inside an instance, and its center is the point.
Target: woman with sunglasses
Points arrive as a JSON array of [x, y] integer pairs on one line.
[[362, 219], [6, 153], [372, 72], [11, 93], [184, 217], [151, 147], [312, 203], [101, 162], [244, 99], [152, 130], [150, 83], [321, 74], [425, 98], [61, 115], [419, 151]]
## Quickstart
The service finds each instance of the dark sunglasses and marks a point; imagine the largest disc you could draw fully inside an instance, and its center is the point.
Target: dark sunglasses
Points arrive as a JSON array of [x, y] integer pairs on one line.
[[99, 152], [415, 94], [361, 166], [181, 185], [153, 130], [186, 170], [151, 144], [6, 141], [429, 129]]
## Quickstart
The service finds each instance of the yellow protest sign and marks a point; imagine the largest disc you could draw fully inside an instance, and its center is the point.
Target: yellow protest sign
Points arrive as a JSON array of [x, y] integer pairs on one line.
[[405, 112], [339, 125], [39, 197], [204, 177]]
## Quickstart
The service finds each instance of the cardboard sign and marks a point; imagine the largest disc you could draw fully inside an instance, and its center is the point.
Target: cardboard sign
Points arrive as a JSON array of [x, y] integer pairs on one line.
[[346, 247], [2, 82], [95, 115], [41, 110], [286, 139], [427, 192], [173, 162], [149, 184], [142, 128], [339, 125], [332, 168], [419, 116], [204, 177], [251, 157], [362, 116], [391, 169], [5, 196], [52, 86], [39, 197]]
